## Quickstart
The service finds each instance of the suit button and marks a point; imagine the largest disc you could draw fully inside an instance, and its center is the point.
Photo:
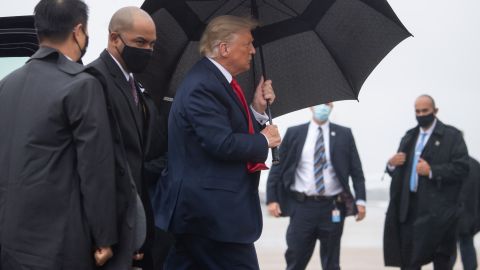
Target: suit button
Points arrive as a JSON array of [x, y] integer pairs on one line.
[[121, 171]]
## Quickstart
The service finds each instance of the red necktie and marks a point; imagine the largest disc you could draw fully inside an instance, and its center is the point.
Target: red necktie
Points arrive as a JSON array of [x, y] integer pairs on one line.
[[251, 166]]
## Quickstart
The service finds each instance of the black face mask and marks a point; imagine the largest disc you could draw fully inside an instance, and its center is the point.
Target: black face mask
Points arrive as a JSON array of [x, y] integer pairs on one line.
[[425, 120], [84, 50], [136, 59]]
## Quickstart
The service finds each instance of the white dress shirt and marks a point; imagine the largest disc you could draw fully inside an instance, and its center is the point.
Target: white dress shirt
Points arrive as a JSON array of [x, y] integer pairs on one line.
[[304, 174]]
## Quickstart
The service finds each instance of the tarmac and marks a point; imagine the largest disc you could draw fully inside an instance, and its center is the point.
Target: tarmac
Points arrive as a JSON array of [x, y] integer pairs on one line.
[[361, 242]]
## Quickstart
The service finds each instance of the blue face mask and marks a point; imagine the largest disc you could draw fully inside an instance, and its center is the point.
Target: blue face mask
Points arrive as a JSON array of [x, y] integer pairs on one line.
[[321, 112]]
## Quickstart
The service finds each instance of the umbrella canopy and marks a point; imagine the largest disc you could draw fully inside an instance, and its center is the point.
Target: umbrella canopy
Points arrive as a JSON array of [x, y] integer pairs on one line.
[[18, 37], [314, 51]]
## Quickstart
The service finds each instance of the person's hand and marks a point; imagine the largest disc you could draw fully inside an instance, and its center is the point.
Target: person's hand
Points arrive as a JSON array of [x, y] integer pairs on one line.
[[423, 168], [272, 135], [361, 212], [274, 209], [397, 160], [102, 255], [263, 93], [138, 256]]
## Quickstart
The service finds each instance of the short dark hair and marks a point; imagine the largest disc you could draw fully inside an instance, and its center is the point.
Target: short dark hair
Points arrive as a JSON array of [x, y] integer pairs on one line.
[[55, 19]]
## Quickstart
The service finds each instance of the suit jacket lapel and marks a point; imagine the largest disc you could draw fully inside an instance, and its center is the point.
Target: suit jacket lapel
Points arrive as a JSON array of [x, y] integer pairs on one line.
[[332, 137], [433, 141], [125, 90], [226, 85], [300, 142]]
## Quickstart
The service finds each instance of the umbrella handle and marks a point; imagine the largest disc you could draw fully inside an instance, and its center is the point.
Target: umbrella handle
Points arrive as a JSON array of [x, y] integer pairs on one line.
[[275, 153]]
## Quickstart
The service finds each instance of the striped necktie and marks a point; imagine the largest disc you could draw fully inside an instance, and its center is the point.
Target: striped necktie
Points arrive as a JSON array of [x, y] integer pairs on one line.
[[319, 162]]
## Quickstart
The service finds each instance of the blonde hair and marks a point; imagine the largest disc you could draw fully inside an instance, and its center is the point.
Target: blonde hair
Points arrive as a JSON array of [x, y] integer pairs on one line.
[[221, 29]]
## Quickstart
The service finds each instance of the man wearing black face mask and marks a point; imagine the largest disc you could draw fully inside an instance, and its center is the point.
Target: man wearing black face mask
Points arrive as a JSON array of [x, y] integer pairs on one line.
[[130, 46], [56, 153], [427, 172]]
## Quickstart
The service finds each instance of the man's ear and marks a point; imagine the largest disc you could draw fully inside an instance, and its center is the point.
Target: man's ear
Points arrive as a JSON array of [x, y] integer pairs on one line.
[[112, 36], [223, 49], [78, 31], [435, 111]]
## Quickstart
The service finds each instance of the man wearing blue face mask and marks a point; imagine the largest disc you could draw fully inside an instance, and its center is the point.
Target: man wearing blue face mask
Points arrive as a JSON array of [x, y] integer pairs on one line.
[[427, 172], [311, 185], [133, 116]]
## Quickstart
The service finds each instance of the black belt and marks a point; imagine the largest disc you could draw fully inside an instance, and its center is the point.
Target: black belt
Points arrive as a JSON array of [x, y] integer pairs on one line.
[[301, 197]]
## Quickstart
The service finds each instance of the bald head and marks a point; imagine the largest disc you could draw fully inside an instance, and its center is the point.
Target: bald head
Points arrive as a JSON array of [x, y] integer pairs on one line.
[[123, 20], [425, 105], [133, 29], [427, 99]]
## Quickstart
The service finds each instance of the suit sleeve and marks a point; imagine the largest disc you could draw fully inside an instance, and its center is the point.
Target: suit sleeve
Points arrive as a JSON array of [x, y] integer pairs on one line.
[[356, 171], [87, 115], [156, 139], [211, 124], [274, 180], [401, 148], [457, 167]]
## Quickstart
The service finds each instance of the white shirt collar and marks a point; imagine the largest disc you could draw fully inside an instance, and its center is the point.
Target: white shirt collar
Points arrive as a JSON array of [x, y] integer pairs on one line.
[[225, 72], [125, 73], [323, 126]]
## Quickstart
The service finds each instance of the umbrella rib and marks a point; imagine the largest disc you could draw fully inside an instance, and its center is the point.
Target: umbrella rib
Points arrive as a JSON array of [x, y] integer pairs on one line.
[[221, 6], [281, 11], [215, 10], [289, 7], [339, 68]]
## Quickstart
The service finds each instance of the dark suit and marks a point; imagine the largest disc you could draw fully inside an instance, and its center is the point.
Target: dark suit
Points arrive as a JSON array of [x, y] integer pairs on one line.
[[57, 187], [130, 127], [346, 162], [421, 226], [469, 222], [211, 195]]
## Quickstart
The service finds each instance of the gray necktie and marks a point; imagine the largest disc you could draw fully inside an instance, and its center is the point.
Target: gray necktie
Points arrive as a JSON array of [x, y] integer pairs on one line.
[[319, 162]]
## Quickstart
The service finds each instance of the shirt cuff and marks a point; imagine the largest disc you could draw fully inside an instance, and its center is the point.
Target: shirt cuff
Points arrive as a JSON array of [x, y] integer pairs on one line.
[[390, 168], [361, 203], [262, 119]]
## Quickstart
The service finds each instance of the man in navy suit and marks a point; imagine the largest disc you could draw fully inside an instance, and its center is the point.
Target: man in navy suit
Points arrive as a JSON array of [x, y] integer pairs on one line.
[[311, 185], [217, 145]]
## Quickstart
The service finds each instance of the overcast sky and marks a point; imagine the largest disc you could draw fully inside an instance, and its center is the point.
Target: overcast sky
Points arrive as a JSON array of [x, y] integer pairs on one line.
[[441, 60]]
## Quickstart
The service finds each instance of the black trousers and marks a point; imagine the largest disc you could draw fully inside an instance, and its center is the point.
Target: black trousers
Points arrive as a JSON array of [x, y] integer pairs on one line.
[[193, 252], [311, 220]]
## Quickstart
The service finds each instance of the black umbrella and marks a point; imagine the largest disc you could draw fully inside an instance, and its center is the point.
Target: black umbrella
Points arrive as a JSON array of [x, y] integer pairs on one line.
[[18, 37], [315, 51]]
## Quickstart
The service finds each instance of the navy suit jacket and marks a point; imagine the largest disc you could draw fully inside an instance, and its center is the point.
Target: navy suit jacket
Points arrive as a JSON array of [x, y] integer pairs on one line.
[[209, 191], [344, 158]]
